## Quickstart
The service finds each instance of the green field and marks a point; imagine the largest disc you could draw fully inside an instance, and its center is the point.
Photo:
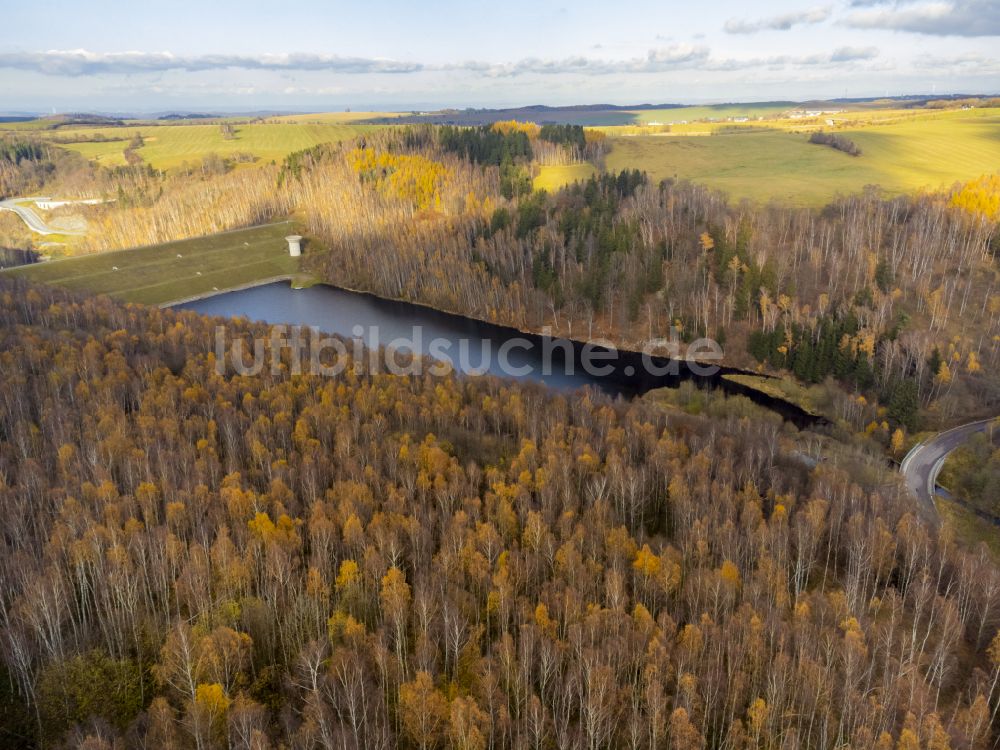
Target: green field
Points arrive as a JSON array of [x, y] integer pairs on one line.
[[105, 153], [710, 112], [342, 118], [155, 274], [921, 154], [169, 146], [553, 177]]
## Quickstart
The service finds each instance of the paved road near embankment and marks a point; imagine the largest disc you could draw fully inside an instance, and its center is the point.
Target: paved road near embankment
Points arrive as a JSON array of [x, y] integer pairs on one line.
[[35, 222], [923, 463]]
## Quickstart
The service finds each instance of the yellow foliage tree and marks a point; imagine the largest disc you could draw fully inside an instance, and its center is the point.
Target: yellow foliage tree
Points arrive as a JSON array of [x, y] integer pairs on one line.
[[647, 562], [980, 197], [213, 698], [423, 711], [408, 177], [908, 740], [348, 575], [757, 716], [972, 362], [507, 127], [898, 439], [943, 376], [544, 622], [208, 712], [729, 573]]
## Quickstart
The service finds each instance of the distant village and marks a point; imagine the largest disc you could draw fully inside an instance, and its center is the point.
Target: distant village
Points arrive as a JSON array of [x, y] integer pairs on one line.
[[795, 114]]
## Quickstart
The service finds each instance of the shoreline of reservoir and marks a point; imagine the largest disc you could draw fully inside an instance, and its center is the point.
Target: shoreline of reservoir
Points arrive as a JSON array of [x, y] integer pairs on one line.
[[336, 310]]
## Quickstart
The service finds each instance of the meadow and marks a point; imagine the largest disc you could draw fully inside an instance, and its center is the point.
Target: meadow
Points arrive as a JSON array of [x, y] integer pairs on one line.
[[168, 146], [909, 154], [157, 274]]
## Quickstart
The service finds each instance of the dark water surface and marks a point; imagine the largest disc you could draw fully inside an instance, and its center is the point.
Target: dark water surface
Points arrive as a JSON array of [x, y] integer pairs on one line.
[[470, 345]]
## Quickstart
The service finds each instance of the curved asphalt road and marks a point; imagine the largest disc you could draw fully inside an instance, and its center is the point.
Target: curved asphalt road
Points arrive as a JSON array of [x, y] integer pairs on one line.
[[923, 463], [33, 220]]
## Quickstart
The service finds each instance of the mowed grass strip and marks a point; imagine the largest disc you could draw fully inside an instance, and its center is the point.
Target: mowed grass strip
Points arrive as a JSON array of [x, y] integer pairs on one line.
[[155, 274]]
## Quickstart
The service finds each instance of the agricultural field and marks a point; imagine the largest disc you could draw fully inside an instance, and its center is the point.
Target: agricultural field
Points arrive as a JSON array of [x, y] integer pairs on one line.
[[25, 126], [167, 146], [163, 273], [554, 177], [716, 111], [339, 118], [726, 118], [919, 153], [105, 153]]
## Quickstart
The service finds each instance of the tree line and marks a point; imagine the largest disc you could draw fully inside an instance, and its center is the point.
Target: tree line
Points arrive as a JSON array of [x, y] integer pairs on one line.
[[24, 165], [838, 142]]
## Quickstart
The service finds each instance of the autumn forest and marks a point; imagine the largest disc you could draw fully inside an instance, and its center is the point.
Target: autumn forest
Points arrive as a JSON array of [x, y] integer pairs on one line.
[[194, 558], [382, 561]]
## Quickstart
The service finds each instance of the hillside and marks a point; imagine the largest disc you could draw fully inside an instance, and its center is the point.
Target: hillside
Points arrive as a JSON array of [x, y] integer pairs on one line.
[[899, 156]]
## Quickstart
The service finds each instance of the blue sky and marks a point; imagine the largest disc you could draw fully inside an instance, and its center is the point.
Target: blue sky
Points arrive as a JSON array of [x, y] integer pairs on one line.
[[390, 54]]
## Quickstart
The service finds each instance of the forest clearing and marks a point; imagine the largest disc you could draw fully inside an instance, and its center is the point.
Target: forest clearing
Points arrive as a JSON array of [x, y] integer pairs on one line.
[[556, 176]]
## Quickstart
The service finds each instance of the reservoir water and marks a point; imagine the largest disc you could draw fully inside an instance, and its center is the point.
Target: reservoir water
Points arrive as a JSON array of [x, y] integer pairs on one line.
[[471, 346]]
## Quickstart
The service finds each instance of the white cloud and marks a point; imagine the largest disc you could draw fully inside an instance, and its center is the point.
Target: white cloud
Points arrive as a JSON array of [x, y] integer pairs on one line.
[[84, 62], [81, 62], [969, 18], [782, 22], [971, 62], [77, 63], [850, 54], [691, 58], [838, 58], [655, 61]]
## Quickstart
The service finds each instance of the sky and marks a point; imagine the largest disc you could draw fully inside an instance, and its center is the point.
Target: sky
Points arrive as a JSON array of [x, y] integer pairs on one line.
[[401, 55]]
